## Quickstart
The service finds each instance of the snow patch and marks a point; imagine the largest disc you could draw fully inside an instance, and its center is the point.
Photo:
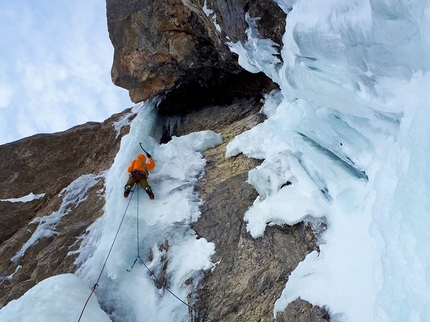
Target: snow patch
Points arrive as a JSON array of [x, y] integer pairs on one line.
[[27, 198], [59, 298]]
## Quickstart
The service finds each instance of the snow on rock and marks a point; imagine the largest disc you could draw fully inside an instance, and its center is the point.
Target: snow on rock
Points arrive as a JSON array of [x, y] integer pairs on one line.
[[350, 134], [59, 298], [72, 195], [346, 141], [156, 232], [27, 198]]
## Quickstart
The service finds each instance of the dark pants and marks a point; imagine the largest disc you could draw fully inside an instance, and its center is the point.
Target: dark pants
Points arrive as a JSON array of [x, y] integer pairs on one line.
[[138, 177]]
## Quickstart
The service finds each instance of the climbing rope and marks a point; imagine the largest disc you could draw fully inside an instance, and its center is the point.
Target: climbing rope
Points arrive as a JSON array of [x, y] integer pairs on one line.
[[107, 257], [200, 315], [151, 273], [137, 232]]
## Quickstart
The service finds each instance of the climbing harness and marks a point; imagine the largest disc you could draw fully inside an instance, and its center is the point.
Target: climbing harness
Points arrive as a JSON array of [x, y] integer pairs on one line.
[[200, 315]]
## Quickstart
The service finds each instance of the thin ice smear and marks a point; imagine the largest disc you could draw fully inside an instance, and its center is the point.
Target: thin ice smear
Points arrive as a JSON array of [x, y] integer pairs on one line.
[[72, 196]]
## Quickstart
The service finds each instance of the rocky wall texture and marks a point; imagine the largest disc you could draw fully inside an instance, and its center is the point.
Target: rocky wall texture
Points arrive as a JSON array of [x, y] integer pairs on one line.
[[162, 45], [178, 49], [46, 164], [250, 273]]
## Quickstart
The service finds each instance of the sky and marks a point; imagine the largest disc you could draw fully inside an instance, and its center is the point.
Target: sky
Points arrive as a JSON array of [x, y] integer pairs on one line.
[[55, 63]]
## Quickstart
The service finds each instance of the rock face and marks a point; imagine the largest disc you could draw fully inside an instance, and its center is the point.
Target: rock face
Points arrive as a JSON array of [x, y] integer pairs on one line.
[[48, 164], [251, 273], [158, 45], [175, 49], [178, 49], [162, 45]]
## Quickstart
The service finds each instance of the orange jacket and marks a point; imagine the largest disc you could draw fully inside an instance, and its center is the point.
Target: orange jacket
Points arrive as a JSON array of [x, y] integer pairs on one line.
[[140, 164]]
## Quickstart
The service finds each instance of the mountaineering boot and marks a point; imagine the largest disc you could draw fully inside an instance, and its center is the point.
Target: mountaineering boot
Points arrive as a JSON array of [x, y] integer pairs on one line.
[[149, 192], [127, 190]]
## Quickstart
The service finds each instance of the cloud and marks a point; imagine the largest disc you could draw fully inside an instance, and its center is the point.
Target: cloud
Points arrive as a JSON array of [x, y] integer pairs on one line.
[[55, 66]]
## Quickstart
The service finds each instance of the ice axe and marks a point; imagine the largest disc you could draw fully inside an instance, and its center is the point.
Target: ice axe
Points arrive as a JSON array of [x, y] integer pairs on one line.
[[147, 154]]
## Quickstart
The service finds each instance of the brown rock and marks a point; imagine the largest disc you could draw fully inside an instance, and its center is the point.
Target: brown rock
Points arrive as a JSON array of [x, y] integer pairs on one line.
[[250, 274], [302, 311], [47, 163], [162, 45], [158, 46]]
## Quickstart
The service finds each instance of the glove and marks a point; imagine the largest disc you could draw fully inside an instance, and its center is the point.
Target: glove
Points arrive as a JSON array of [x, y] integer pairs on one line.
[[148, 155]]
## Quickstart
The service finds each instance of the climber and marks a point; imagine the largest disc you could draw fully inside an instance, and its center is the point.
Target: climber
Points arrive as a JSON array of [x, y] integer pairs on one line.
[[139, 171]]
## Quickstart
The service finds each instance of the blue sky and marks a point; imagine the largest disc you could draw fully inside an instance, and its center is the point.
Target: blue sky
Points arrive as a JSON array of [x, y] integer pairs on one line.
[[55, 61]]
